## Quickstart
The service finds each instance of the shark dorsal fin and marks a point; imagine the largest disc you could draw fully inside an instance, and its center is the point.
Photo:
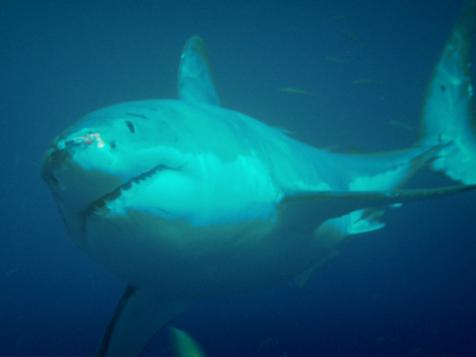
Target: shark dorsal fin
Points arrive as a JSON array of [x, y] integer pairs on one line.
[[195, 82]]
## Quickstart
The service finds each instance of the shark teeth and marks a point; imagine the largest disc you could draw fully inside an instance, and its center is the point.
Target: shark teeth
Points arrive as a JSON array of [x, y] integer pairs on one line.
[[100, 204]]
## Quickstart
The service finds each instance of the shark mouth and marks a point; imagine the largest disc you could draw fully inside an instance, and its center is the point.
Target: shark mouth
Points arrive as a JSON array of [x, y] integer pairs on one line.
[[102, 201]]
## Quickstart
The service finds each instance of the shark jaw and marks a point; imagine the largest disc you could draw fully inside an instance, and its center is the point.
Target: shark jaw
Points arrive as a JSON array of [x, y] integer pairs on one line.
[[63, 175], [122, 189]]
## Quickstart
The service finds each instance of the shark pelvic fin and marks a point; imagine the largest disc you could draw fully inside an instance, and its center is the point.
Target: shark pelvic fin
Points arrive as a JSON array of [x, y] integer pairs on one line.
[[195, 82], [338, 215], [333, 231], [137, 318]]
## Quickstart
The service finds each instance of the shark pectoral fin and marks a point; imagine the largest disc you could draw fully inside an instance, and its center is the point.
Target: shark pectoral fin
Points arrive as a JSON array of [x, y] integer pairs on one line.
[[339, 215], [138, 316], [329, 235], [184, 345], [365, 221], [195, 83]]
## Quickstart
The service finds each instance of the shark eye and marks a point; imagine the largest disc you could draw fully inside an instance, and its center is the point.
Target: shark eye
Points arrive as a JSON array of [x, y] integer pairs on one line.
[[130, 126]]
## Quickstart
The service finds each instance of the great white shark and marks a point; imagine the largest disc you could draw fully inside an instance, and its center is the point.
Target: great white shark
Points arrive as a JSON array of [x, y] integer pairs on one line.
[[186, 199]]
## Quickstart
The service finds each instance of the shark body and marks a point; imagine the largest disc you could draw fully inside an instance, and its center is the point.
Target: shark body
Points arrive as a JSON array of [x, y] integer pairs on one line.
[[185, 199]]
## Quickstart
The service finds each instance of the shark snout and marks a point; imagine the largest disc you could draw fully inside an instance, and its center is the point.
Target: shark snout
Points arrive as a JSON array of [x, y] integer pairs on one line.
[[62, 150], [82, 139]]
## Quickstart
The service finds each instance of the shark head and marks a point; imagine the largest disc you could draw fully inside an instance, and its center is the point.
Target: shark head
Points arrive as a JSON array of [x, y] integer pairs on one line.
[[106, 153], [111, 149]]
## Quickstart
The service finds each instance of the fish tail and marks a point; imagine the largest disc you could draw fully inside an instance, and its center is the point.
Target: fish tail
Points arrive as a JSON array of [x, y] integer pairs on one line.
[[448, 117]]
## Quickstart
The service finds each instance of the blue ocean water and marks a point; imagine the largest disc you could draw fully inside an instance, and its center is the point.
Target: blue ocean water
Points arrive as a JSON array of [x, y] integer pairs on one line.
[[409, 290]]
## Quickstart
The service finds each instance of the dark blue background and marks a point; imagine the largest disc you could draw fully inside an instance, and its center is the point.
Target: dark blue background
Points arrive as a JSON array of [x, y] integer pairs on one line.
[[409, 290]]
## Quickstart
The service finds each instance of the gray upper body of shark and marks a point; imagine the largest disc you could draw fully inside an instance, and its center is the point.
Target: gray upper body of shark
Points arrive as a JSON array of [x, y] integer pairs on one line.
[[185, 199]]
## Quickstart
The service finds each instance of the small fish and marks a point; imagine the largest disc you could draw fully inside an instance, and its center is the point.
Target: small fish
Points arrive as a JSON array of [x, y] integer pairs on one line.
[[295, 90], [340, 17], [401, 125], [337, 60], [366, 82], [350, 35]]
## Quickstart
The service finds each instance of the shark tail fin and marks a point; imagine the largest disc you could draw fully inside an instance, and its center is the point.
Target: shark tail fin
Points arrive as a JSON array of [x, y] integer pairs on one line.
[[448, 113]]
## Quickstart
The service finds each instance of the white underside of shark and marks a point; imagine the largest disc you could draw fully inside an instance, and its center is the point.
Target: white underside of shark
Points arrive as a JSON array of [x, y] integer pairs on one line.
[[185, 199]]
